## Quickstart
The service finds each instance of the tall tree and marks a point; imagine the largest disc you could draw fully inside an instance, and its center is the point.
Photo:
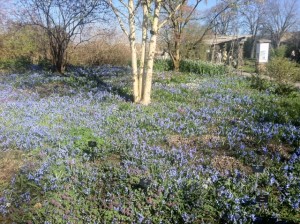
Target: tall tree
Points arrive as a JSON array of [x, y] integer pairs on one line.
[[4, 12], [175, 29], [253, 17], [151, 24], [281, 17], [223, 17], [220, 19], [61, 20]]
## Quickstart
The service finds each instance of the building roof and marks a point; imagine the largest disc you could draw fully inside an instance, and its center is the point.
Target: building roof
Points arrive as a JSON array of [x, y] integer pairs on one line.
[[220, 39], [264, 41]]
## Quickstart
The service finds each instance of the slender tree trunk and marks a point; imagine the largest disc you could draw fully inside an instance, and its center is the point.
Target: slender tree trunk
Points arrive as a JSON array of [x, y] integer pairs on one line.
[[60, 59], [132, 36], [176, 58], [148, 79], [143, 53], [253, 47], [58, 65]]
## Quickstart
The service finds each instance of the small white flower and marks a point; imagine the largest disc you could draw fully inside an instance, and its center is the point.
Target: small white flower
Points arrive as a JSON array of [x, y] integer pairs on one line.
[[8, 205], [205, 186], [208, 180]]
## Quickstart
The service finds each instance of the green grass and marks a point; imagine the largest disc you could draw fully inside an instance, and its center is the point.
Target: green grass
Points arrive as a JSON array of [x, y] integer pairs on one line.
[[249, 66]]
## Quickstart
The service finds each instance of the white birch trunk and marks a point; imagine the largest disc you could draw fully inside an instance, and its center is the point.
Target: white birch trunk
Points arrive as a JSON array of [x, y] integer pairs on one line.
[[146, 96], [144, 45], [132, 36], [142, 78]]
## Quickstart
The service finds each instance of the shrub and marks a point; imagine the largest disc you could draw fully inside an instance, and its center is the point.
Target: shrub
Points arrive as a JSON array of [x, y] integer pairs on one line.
[[279, 52], [20, 63], [200, 67], [190, 66], [102, 51], [163, 65], [281, 70], [262, 84], [258, 83], [283, 110]]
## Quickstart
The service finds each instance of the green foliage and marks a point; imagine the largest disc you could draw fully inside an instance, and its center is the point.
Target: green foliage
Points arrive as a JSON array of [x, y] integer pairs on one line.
[[297, 76], [289, 108], [20, 63], [273, 87], [191, 66], [258, 83], [201, 68], [249, 66], [163, 65], [279, 110], [279, 52], [194, 52], [281, 70], [21, 45], [82, 137]]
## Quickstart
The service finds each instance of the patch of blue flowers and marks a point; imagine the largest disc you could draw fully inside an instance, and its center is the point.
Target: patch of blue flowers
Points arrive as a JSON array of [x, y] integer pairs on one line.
[[137, 174]]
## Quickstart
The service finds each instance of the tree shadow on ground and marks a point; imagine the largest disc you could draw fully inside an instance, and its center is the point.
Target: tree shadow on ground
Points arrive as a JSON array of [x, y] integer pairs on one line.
[[103, 84], [113, 79]]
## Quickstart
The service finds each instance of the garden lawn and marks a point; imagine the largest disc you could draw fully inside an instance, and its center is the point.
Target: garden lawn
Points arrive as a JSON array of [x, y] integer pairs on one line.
[[85, 154]]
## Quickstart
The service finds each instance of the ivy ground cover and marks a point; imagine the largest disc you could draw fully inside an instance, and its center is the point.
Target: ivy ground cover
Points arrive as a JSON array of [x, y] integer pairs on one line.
[[83, 153]]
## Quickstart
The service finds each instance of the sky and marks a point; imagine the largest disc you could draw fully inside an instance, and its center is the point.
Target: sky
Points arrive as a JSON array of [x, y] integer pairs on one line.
[[206, 5], [203, 6]]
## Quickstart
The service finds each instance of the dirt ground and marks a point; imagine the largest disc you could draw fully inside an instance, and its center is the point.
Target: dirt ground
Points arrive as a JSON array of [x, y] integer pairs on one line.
[[10, 163]]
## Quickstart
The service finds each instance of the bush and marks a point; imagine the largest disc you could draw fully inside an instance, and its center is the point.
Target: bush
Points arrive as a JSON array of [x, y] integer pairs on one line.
[[279, 52], [20, 63], [258, 83], [200, 67], [103, 51], [192, 66], [283, 110], [163, 65], [281, 70], [262, 84]]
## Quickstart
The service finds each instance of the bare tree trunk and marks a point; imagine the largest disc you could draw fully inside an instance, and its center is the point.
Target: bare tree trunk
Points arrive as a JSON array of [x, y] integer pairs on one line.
[[143, 53], [176, 58], [132, 36], [57, 58], [148, 79], [253, 47], [144, 74]]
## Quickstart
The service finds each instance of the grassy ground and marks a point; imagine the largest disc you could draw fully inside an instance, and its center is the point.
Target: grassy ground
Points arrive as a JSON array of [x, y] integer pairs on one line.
[[249, 66], [91, 156]]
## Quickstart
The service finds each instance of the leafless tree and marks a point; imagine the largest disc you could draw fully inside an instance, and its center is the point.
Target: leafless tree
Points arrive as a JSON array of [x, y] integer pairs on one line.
[[253, 18], [61, 20], [281, 17], [222, 18], [173, 32], [4, 13], [227, 9]]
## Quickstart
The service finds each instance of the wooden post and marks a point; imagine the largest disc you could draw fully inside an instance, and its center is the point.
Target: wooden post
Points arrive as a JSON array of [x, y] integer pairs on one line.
[[240, 59]]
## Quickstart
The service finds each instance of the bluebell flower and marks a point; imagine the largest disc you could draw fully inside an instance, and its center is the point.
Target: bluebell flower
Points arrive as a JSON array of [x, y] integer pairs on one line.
[[140, 218]]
